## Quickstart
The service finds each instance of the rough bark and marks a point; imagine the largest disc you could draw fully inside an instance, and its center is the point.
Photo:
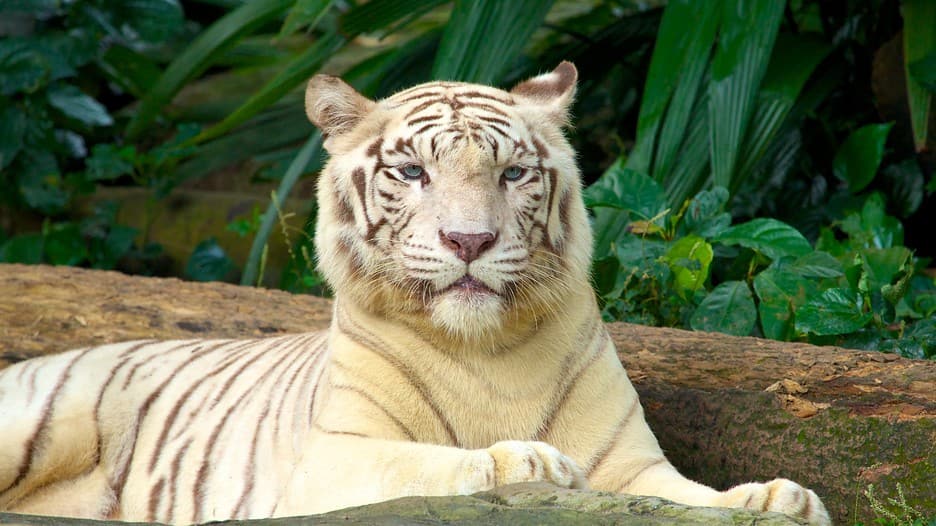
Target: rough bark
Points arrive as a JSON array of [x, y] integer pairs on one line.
[[725, 409]]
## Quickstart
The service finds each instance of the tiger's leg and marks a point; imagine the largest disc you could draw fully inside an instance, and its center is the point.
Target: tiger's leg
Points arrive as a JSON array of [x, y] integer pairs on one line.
[[635, 464], [342, 470], [87, 496], [49, 438]]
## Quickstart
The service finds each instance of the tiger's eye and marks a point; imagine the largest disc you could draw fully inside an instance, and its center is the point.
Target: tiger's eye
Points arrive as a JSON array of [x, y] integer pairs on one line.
[[412, 171], [513, 173]]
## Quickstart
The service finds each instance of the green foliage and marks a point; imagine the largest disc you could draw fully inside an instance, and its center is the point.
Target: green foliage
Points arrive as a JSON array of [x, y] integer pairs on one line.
[[857, 287], [96, 241]]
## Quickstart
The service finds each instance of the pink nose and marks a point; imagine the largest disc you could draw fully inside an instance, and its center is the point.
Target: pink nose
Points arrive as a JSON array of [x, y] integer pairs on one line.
[[468, 247]]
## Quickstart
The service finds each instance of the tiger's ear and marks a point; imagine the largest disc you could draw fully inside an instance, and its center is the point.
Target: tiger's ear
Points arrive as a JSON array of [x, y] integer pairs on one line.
[[334, 106], [552, 91]]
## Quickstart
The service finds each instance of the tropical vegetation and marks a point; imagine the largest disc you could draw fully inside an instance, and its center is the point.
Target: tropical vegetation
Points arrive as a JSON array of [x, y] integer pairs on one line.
[[755, 168]]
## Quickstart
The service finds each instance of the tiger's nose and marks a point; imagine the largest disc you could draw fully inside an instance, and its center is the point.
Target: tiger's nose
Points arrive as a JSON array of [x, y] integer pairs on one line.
[[468, 247]]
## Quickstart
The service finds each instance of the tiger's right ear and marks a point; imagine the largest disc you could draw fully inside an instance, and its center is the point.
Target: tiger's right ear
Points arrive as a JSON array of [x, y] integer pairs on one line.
[[334, 106]]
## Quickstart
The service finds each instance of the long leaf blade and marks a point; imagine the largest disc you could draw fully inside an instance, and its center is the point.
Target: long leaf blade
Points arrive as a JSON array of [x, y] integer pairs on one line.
[[474, 48], [919, 38], [738, 67], [197, 57], [296, 72]]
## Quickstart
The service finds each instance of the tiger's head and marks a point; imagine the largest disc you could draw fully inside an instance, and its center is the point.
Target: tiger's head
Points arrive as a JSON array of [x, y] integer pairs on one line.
[[453, 207]]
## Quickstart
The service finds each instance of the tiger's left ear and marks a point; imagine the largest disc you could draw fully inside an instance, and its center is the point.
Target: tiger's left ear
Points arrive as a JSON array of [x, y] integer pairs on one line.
[[334, 106], [552, 91]]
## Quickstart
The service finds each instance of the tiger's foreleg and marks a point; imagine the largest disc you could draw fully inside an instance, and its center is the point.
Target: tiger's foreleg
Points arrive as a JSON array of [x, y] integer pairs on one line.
[[344, 470], [636, 465]]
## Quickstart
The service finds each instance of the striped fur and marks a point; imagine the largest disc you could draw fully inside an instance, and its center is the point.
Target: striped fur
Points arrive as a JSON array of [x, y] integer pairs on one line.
[[466, 349]]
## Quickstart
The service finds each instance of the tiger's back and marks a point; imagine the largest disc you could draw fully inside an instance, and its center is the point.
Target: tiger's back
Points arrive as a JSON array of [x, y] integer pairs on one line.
[[145, 429]]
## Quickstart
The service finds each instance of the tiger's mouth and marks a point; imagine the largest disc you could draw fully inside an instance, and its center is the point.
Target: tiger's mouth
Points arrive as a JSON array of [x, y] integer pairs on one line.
[[469, 285]]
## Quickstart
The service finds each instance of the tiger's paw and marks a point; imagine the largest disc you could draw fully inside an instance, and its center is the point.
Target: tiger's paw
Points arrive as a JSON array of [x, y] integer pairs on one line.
[[517, 461], [780, 495]]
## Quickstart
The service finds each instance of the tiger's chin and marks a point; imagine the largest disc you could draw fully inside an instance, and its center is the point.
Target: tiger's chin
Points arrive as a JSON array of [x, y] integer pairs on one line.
[[468, 312]]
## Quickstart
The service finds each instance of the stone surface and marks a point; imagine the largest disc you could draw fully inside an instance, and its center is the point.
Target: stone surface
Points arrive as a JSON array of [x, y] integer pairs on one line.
[[516, 505]]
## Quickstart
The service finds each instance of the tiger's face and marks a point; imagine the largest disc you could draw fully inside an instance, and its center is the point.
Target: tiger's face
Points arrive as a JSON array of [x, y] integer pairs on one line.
[[455, 207]]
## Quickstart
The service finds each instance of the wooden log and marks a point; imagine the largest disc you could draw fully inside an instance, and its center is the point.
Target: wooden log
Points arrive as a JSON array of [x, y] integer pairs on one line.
[[726, 409]]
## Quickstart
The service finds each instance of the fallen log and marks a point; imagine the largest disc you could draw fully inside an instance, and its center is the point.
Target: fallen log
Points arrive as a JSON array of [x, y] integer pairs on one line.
[[726, 409]]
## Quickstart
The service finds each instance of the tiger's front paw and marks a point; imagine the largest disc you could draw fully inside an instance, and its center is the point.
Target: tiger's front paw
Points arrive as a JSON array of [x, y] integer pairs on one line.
[[516, 461], [779, 495]]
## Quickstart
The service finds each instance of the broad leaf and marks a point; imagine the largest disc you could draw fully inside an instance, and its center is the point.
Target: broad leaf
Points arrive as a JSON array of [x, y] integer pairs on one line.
[[75, 104], [729, 308], [817, 264], [834, 311], [768, 236], [209, 262], [25, 248], [12, 128], [689, 259], [857, 160], [705, 215], [64, 245], [780, 291]]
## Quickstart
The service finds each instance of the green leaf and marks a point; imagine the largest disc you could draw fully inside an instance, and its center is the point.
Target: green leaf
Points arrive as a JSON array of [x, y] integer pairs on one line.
[[107, 249], [626, 189], [129, 69], [25, 248], [817, 264], [729, 308], [834, 311], [780, 291], [618, 197], [13, 124], [209, 262], [919, 39], [872, 227], [883, 266], [689, 258], [24, 69], [705, 215], [768, 236], [857, 160], [471, 49], [153, 21], [304, 14], [107, 162], [75, 104], [741, 58], [64, 244], [40, 183], [197, 57], [923, 71]]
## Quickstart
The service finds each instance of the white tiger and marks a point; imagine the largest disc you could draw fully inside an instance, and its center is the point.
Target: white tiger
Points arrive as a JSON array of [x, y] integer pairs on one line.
[[466, 349]]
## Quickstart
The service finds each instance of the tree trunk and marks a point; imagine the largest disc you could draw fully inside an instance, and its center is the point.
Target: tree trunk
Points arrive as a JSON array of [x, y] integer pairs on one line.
[[725, 409]]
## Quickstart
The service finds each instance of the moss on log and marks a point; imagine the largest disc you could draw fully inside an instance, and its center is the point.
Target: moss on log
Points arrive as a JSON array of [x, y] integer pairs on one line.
[[726, 409]]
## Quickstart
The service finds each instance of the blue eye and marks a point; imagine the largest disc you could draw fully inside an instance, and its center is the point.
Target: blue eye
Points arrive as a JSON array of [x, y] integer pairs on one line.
[[513, 173], [412, 171]]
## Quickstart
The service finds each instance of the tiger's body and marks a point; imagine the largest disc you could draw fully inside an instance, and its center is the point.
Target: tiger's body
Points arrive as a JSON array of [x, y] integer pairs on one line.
[[466, 349]]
